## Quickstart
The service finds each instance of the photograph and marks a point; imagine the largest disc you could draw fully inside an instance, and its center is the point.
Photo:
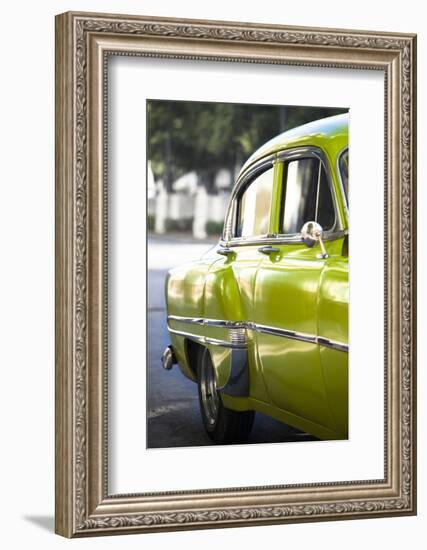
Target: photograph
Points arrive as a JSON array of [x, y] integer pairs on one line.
[[248, 273]]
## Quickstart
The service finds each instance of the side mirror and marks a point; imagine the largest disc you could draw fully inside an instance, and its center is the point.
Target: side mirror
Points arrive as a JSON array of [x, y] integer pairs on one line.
[[311, 233]]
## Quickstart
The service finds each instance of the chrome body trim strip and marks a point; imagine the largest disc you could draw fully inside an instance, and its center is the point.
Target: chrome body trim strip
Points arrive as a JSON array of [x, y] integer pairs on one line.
[[239, 341], [339, 346], [208, 340], [191, 320], [209, 322], [291, 334]]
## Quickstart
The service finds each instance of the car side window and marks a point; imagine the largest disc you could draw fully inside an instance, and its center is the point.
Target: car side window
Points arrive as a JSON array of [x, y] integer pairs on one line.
[[253, 207], [307, 196]]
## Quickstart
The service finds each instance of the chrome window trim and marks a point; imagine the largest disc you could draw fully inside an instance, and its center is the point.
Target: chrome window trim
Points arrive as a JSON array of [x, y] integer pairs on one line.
[[243, 187], [242, 180], [314, 152], [266, 329], [281, 155], [341, 184], [281, 239]]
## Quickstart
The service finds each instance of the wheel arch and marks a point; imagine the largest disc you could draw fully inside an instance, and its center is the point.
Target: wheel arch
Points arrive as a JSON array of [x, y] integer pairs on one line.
[[192, 350]]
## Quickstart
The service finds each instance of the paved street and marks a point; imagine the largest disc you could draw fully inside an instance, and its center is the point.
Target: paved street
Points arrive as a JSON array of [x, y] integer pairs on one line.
[[173, 406]]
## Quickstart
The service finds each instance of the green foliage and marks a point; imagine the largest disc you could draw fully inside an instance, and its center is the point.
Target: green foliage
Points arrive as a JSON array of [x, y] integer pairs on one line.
[[185, 136], [214, 228], [151, 220], [183, 224]]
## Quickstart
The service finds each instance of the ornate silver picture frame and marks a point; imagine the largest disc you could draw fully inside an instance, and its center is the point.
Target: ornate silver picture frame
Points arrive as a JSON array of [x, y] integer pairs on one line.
[[83, 44]]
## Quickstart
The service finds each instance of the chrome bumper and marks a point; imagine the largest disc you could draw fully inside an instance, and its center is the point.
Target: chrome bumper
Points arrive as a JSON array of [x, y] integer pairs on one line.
[[168, 358]]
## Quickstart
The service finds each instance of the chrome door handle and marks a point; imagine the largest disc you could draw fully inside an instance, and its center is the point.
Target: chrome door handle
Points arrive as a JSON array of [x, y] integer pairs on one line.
[[268, 249], [225, 251]]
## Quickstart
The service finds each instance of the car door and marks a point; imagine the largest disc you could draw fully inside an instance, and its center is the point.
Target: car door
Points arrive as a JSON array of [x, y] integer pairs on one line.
[[230, 283], [286, 292]]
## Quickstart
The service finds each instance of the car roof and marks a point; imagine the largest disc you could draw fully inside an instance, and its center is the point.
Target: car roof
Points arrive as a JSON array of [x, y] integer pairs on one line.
[[331, 134]]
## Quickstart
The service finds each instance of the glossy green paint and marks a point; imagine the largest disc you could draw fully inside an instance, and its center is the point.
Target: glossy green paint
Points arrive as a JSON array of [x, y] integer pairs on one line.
[[290, 280], [302, 383]]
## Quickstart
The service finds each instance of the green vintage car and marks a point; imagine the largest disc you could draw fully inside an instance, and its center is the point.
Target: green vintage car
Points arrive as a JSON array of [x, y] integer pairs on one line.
[[260, 322]]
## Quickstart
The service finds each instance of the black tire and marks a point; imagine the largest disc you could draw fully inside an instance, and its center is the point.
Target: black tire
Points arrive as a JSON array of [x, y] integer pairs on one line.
[[222, 425]]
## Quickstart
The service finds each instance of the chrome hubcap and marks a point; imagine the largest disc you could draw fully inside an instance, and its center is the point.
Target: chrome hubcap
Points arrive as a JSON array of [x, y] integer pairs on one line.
[[208, 390]]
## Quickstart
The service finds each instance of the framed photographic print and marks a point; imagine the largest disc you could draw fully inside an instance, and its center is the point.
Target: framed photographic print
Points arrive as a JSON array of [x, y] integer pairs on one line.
[[226, 353]]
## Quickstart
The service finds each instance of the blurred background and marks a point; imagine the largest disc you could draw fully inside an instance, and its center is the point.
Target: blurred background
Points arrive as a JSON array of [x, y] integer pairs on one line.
[[195, 151]]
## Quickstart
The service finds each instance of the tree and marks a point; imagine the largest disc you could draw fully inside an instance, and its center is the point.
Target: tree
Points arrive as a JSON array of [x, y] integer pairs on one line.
[[205, 137]]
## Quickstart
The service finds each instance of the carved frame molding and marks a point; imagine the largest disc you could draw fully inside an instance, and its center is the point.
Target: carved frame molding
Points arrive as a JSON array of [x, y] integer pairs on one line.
[[83, 43]]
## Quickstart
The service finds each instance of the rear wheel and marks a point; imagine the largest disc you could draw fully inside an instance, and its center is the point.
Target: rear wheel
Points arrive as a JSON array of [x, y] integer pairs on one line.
[[221, 424]]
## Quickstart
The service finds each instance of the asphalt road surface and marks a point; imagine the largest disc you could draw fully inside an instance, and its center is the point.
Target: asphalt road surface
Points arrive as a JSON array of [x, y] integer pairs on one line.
[[173, 406]]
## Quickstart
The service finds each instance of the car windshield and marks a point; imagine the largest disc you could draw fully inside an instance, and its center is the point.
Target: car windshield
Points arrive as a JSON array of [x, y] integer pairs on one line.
[[343, 164]]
